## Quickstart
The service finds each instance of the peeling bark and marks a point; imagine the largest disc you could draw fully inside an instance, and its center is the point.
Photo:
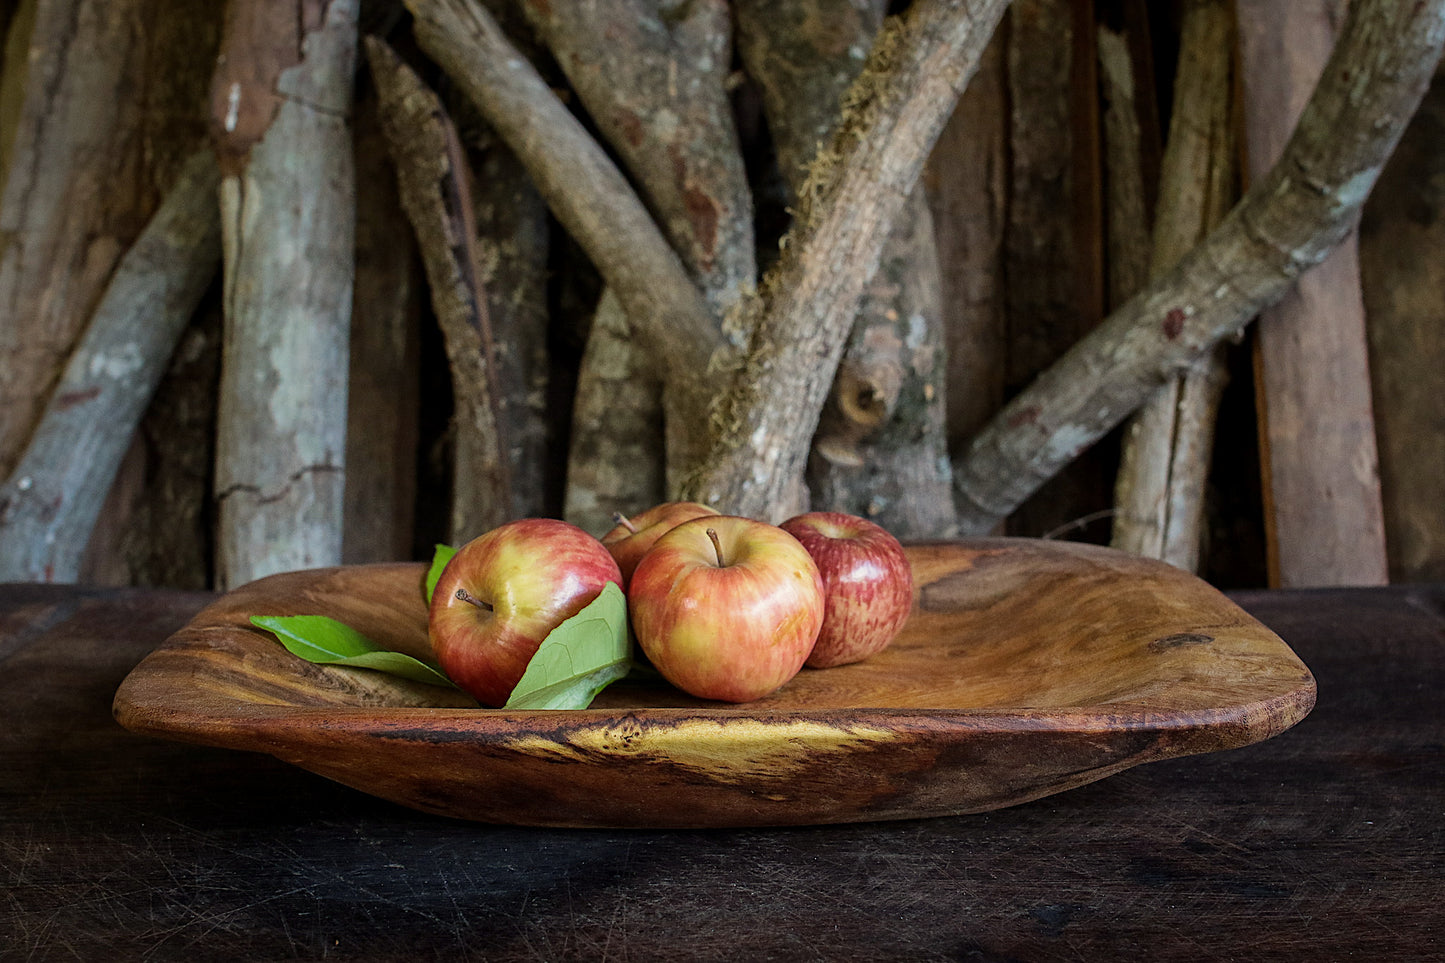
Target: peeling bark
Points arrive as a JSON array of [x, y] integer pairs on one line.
[[281, 98], [50, 502], [437, 199], [1287, 222]]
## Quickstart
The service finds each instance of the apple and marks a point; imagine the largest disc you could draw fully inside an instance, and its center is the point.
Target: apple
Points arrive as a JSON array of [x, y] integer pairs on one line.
[[632, 537], [867, 584], [726, 608], [504, 592]]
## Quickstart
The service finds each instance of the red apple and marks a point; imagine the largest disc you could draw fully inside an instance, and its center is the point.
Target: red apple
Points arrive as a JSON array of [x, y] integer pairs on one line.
[[867, 582], [632, 537], [504, 592], [726, 608]]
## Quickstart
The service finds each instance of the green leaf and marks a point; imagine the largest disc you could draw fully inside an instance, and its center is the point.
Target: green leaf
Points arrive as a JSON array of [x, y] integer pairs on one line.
[[439, 560], [325, 641], [579, 658]]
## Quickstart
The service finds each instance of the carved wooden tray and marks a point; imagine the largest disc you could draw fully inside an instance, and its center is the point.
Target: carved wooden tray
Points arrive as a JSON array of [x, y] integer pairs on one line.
[[1027, 668]]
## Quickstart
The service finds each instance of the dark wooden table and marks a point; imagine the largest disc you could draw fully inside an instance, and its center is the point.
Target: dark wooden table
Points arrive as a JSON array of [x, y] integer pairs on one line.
[[1325, 843]]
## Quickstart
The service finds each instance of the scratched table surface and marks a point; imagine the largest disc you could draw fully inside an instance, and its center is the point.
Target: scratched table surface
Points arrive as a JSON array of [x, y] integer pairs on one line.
[[1327, 842]]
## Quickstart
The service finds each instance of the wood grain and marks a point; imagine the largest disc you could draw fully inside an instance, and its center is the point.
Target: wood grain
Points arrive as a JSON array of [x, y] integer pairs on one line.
[[1324, 843], [1323, 516], [1027, 668]]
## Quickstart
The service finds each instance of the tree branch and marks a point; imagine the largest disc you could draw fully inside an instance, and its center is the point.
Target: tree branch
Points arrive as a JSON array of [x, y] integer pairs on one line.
[[434, 191], [880, 448], [50, 502], [1288, 222], [581, 185], [892, 115]]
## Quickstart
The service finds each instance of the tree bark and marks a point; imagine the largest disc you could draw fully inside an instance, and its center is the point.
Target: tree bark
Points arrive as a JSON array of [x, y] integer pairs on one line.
[[856, 188], [512, 245], [654, 84], [437, 199], [616, 461], [583, 188], [75, 187], [157, 524], [1324, 522], [279, 103], [880, 449], [1165, 460], [49, 504], [1286, 223]]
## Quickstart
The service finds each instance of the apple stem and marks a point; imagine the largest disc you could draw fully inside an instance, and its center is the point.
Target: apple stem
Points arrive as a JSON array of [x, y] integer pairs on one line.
[[717, 547], [462, 595], [624, 521]]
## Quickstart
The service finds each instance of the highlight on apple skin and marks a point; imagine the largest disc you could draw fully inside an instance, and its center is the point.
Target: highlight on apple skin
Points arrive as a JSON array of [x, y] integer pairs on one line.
[[633, 537], [726, 608], [867, 585], [504, 592]]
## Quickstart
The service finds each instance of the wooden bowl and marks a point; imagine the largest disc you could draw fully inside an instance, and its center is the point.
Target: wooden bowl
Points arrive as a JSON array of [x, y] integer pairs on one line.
[[1027, 668]]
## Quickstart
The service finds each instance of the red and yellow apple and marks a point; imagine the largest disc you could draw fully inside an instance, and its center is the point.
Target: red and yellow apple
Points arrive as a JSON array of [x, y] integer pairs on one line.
[[633, 537], [504, 592], [867, 585], [726, 608]]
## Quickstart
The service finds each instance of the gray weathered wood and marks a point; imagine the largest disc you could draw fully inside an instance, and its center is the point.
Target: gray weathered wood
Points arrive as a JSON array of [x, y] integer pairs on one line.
[[50, 502], [615, 462], [512, 245], [1324, 521], [1053, 240], [1164, 465], [1288, 222], [280, 99]]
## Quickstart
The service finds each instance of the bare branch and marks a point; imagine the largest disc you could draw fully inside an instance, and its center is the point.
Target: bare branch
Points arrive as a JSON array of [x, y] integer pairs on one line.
[[50, 502], [437, 199], [580, 183], [1288, 222]]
